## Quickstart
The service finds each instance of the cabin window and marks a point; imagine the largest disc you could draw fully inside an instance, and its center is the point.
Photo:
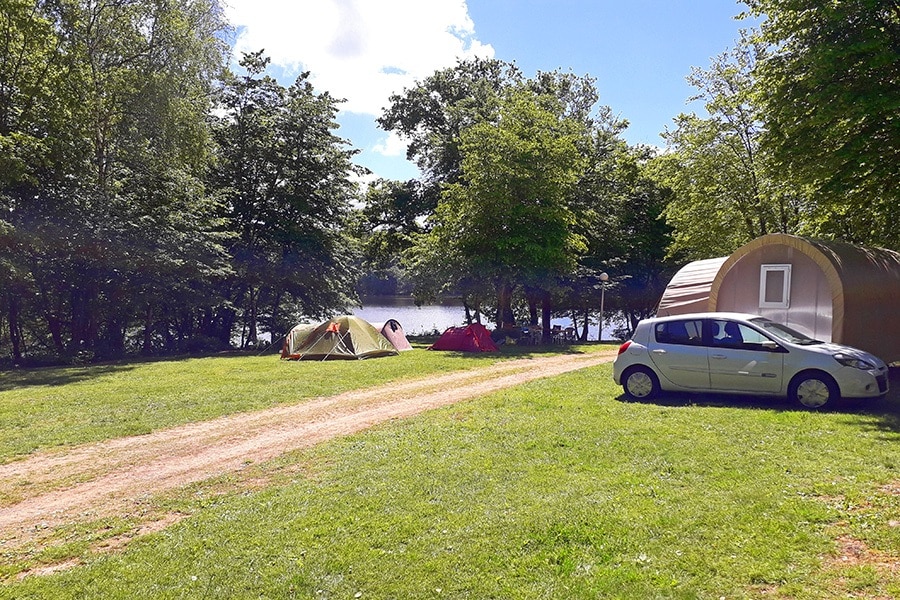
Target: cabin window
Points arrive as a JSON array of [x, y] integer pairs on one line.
[[775, 286]]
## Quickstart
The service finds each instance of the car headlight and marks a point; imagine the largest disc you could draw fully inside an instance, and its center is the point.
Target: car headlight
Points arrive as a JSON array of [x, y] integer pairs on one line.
[[856, 363]]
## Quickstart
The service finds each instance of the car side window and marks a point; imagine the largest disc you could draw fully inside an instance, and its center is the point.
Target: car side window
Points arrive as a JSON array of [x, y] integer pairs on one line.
[[686, 332], [728, 334]]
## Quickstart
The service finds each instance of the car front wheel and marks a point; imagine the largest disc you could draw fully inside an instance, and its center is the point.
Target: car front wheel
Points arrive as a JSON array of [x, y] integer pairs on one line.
[[640, 383], [813, 390]]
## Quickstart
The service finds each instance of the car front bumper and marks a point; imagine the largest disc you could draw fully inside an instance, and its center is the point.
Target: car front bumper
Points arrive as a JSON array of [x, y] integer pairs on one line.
[[856, 383]]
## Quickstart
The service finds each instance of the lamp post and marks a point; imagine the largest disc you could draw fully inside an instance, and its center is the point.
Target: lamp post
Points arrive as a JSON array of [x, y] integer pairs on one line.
[[603, 279]]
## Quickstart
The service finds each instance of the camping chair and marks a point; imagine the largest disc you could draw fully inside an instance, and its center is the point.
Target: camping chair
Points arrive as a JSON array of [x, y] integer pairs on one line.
[[556, 334]]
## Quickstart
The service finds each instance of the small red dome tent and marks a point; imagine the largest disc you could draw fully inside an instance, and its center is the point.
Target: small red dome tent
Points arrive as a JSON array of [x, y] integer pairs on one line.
[[472, 338]]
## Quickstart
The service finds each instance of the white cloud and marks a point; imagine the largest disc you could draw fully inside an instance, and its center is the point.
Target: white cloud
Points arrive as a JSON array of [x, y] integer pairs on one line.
[[392, 145], [360, 50]]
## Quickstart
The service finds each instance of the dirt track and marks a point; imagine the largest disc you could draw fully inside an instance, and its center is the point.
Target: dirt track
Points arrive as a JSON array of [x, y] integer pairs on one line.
[[110, 478]]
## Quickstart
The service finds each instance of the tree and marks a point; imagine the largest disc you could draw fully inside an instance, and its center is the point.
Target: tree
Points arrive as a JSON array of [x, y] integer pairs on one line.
[[393, 212], [507, 221], [830, 91], [725, 194], [102, 111], [284, 179], [432, 114], [620, 210]]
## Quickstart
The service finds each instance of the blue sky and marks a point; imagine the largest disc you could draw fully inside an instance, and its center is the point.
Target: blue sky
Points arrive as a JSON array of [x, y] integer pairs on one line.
[[639, 51]]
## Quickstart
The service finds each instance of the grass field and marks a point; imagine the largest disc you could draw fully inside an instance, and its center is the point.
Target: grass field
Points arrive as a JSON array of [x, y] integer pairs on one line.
[[554, 489], [43, 408]]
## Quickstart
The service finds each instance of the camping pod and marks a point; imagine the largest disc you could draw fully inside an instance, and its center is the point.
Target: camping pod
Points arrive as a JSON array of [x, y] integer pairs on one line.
[[688, 291], [341, 338], [471, 338], [831, 291], [393, 332]]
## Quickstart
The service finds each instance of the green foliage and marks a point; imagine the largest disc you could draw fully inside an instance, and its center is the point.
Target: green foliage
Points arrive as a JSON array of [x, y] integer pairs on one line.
[[433, 114], [102, 114], [830, 89], [508, 220], [725, 190], [393, 213], [284, 180]]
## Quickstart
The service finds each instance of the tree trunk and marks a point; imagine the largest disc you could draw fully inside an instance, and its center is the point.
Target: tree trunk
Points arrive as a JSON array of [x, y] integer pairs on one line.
[[533, 298], [148, 330], [15, 333], [546, 311], [468, 312], [505, 318], [84, 318], [54, 324]]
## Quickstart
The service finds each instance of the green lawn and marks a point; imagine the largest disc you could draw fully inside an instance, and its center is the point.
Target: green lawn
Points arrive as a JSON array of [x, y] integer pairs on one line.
[[44, 408], [554, 489]]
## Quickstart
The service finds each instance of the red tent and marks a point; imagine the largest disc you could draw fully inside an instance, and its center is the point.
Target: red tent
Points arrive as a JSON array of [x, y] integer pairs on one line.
[[472, 338]]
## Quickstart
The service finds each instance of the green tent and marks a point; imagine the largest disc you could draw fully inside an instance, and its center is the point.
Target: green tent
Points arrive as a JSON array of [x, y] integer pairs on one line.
[[340, 338]]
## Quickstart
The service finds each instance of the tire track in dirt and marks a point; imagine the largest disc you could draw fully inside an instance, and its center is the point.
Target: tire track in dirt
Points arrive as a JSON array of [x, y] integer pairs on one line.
[[109, 478]]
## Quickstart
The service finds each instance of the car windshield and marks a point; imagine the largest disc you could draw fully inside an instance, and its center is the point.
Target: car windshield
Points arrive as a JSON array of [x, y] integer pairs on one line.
[[785, 333]]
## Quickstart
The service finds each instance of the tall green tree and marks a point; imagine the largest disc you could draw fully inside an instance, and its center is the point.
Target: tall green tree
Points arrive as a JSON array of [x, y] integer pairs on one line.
[[284, 178], [392, 214], [434, 114], [725, 192], [102, 111], [829, 87], [508, 222]]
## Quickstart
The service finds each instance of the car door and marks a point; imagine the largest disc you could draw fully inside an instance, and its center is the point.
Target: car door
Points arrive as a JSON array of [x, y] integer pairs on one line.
[[743, 359], [677, 351]]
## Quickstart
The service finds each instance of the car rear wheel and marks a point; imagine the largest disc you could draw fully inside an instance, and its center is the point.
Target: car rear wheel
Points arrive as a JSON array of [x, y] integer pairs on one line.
[[640, 383], [813, 390]]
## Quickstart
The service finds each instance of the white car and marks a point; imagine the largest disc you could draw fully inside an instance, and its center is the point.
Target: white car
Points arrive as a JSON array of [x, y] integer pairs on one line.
[[743, 354]]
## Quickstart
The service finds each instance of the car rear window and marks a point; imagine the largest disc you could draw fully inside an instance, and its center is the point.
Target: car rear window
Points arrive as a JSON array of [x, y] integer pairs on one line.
[[688, 332]]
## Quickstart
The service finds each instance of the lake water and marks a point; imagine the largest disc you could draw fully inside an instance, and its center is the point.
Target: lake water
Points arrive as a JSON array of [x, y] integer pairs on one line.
[[419, 320], [416, 320]]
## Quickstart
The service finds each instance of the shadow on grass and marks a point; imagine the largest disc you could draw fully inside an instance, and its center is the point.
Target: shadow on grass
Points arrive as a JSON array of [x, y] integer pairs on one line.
[[54, 376], [875, 414], [515, 351], [66, 374]]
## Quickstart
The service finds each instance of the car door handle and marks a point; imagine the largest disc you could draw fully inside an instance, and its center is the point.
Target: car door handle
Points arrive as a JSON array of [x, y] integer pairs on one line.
[[659, 351], [718, 356]]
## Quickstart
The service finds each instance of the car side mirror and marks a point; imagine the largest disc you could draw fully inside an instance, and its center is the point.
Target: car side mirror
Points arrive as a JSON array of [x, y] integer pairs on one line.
[[770, 345]]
